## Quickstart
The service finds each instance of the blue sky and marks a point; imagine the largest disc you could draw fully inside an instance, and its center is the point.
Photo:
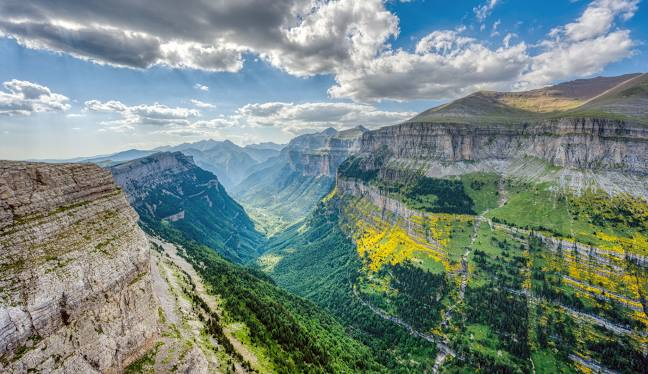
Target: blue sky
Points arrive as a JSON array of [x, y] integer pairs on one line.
[[81, 78]]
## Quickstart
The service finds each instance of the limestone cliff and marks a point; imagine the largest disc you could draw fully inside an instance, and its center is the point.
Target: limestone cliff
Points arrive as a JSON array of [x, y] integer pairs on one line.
[[75, 284], [320, 154], [570, 142]]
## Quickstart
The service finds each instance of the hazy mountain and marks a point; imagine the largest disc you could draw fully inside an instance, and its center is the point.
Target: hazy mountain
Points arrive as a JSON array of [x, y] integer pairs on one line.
[[263, 151], [104, 160], [285, 188], [227, 160]]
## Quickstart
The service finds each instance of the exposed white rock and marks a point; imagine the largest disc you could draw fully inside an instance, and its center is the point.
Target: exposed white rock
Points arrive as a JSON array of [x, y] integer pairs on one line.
[[75, 285]]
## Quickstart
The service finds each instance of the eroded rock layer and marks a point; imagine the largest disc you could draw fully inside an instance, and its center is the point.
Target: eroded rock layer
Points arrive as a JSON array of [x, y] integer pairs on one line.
[[75, 284], [568, 142]]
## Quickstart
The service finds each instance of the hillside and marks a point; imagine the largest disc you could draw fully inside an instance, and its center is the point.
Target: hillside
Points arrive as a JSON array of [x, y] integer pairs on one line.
[[621, 97], [515, 246], [169, 189]]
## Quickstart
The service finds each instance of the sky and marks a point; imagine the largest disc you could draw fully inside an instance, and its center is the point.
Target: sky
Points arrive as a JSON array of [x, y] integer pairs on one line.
[[89, 77]]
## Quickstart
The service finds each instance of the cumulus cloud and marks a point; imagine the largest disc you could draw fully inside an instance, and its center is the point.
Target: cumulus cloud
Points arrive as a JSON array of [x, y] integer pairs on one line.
[[345, 38], [24, 98], [447, 64], [334, 36], [583, 47], [201, 87], [297, 117], [155, 114], [597, 19], [303, 37]]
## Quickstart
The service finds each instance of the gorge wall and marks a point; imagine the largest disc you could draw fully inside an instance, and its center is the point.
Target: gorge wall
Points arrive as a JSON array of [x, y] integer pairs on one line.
[[321, 154], [75, 284], [567, 142]]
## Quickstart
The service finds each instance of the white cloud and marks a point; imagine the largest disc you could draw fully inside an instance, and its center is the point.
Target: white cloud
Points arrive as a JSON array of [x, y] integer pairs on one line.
[[597, 19], [483, 11], [287, 117], [494, 31], [202, 104], [583, 47], [447, 64], [201, 87], [346, 38], [24, 98], [155, 114], [303, 37], [334, 36], [296, 117]]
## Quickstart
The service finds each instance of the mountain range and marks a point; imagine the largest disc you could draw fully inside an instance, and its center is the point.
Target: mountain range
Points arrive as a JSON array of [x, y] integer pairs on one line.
[[229, 161], [501, 232]]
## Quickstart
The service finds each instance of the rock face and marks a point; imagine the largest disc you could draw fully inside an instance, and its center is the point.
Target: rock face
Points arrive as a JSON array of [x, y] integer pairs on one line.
[[75, 284], [168, 188], [139, 176], [321, 154], [576, 143]]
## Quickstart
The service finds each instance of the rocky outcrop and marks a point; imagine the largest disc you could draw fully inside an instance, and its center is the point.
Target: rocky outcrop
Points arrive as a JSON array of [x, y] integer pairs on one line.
[[352, 187], [137, 177], [75, 285], [583, 143], [320, 154]]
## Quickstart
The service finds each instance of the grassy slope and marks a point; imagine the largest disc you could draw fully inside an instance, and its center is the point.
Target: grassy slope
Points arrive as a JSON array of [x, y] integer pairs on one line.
[[502, 330], [318, 261]]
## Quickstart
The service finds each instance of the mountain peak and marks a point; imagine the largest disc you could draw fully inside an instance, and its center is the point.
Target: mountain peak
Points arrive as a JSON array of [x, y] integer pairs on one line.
[[329, 131], [614, 95]]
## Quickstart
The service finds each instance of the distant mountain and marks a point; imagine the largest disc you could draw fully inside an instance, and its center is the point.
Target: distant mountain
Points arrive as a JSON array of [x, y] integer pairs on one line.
[[103, 160], [223, 158], [574, 98], [283, 189], [263, 151], [266, 145], [230, 162], [169, 189]]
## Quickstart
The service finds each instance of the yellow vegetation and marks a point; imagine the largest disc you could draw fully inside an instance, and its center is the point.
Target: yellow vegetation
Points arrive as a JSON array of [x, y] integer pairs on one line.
[[541, 103], [392, 244]]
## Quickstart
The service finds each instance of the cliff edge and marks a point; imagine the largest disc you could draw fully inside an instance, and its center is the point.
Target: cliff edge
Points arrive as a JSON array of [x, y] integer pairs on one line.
[[75, 283]]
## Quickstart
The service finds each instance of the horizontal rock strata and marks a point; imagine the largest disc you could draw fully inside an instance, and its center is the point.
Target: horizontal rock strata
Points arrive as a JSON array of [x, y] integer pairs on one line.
[[75, 284]]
